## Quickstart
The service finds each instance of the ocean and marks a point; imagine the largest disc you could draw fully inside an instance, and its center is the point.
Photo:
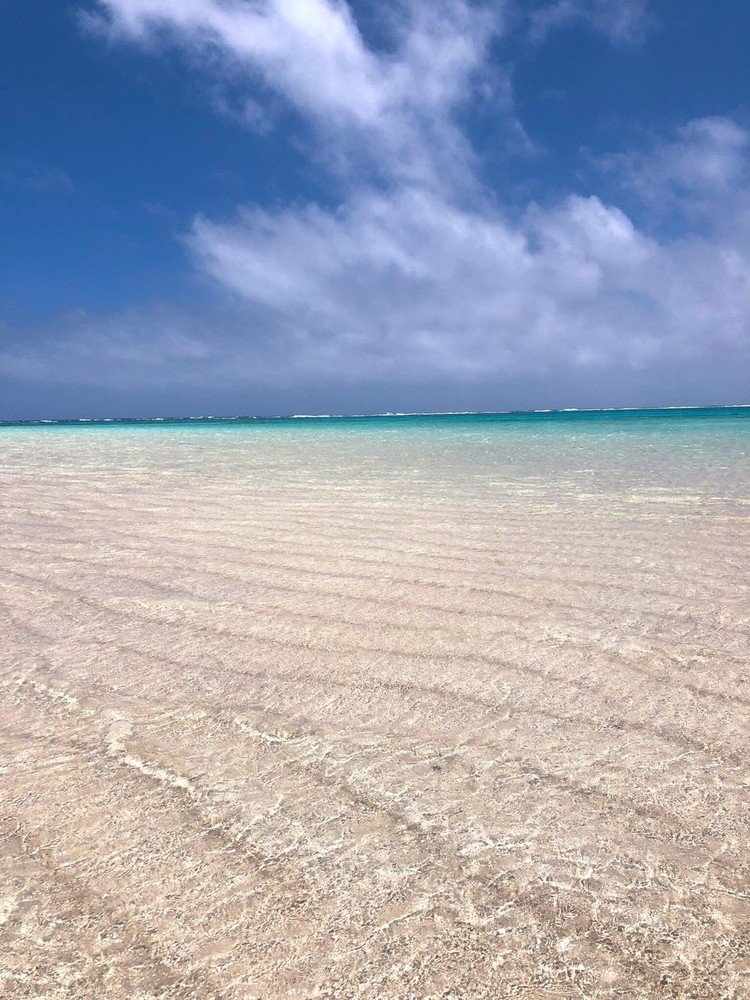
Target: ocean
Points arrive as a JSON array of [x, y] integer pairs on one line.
[[685, 456]]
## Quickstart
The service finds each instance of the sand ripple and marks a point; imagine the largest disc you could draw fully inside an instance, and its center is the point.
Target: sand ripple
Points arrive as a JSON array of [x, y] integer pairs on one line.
[[273, 730]]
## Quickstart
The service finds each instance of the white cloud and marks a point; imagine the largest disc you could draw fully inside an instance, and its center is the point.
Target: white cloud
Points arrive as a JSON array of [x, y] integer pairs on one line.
[[418, 274], [392, 107], [409, 288], [704, 163], [409, 284]]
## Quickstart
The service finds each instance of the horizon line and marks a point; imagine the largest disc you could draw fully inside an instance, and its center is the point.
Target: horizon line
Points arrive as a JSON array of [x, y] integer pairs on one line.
[[50, 421]]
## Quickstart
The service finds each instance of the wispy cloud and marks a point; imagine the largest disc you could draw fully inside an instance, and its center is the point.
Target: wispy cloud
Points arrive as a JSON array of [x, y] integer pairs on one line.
[[704, 162], [389, 107], [622, 21], [33, 177], [137, 347]]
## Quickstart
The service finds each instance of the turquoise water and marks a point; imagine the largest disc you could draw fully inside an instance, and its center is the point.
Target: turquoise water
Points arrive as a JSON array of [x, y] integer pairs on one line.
[[687, 457], [630, 418]]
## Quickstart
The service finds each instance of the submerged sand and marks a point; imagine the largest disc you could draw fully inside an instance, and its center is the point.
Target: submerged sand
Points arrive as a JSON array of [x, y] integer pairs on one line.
[[273, 727]]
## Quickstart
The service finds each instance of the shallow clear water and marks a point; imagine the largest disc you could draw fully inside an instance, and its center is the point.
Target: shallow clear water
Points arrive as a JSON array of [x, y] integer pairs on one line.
[[685, 456]]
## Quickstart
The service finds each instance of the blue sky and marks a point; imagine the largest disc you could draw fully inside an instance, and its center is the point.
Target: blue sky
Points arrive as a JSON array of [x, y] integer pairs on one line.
[[244, 206]]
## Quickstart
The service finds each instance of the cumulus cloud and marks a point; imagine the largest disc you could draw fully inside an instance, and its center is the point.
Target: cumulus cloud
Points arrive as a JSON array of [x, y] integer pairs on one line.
[[408, 288], [409, 285], [419, 273]]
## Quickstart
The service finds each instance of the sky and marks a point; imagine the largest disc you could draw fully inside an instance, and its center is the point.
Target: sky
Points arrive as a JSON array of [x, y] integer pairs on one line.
[[286, 206]]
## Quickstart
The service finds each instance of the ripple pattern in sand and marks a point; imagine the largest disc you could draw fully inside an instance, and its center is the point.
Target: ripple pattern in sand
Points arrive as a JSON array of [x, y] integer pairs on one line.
[[269, 732]]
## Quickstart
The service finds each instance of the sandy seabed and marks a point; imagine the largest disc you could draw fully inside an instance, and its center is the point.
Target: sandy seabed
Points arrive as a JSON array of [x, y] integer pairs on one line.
[[289, 734]]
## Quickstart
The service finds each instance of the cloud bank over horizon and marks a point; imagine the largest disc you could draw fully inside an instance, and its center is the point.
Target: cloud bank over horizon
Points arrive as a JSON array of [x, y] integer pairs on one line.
[[415, 269]]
